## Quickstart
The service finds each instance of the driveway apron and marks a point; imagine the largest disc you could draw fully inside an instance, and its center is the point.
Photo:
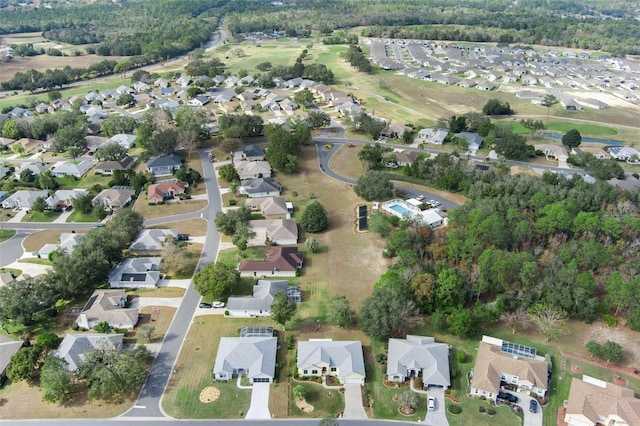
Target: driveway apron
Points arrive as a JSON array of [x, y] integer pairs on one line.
[[259, 408], [353, 408]]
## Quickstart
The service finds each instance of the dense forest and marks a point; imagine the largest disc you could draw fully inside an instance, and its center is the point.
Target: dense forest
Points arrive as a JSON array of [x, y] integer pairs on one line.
[[519, 241]]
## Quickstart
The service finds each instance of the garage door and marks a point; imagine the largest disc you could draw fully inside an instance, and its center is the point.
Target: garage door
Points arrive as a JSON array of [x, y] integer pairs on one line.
[[354, 381], [261, 380]]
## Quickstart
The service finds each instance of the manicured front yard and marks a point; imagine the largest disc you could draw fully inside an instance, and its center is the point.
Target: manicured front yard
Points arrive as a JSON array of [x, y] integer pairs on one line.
[[168, 209], [45, 216], [325, 402], [77, 216], [5, 234]]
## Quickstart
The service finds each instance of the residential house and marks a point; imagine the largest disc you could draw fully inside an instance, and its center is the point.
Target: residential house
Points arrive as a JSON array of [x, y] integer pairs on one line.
[[74, 346], [35, 167], [125, 140], [19, 112], [432, 136], [72, 168], [431, 218], [141, 86], [401, 158], [253, 357], [151, 240], [161, 82], [166, 104], [592, 103], [418, 356], [67, 242], [394, 131], [107, 306], [253, 169], [570, 105], [183, 81], [8, 347], [23, 199], [122, 89], [28, 144], [269, 207], [467, 83], [198, 101], [261, 187], [594, 402], [474, 140], [486, 86], [164, 165], [288, 105], [43, 108], [137, 272], [499, 362], [113, 198], [278, 231], [64, 197], [160, 192], [280, 262], [108, 167], [340, 359], [263, 295]]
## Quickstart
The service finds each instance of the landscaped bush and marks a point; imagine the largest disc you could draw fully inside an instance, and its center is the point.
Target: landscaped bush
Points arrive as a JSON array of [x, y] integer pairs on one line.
[[481, 409], [232, 202], [75, 326], [381, 358], [611, 321], [462, 357], [491, 411], [454, 409]]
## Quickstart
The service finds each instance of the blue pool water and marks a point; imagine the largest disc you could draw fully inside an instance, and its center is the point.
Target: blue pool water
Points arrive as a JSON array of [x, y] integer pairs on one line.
[[398, 208], [558, 136]]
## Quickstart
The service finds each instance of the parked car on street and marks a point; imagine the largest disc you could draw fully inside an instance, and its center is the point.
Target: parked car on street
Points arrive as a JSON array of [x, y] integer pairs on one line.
[[218, 304], [205, 305]]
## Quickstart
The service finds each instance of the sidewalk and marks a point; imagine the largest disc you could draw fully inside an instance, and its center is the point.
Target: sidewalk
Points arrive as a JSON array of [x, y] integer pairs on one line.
[[18, 217]]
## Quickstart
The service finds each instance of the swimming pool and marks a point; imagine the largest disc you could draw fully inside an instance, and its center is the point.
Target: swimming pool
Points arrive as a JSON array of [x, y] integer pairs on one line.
[[400, 209]]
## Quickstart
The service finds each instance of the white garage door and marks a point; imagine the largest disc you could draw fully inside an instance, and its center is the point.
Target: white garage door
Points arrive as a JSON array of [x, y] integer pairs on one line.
[[355, 381]]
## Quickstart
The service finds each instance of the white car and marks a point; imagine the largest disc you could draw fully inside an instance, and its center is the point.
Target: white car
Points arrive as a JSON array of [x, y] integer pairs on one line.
[[420, 197], [431, 403], [218, 304]]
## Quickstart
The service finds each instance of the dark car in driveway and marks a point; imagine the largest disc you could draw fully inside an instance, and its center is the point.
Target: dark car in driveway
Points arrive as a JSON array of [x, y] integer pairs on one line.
[[507, 396], [533, 406], [205, 305]]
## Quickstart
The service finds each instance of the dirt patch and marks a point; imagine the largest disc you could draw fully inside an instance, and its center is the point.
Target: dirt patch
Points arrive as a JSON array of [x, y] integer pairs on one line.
[[209, 394], [620, 381], [304, 406], [44, 62], [628, 339]]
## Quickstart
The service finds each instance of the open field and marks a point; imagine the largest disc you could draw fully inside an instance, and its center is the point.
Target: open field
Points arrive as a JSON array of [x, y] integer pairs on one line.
[[157, 316], [194, 227], [168, 209]]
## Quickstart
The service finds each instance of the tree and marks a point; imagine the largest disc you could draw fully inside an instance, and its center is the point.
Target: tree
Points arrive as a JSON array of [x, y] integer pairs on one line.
[[549, 320], [463, 323], [228, 172], [386, 313], [164, 142], [73, 152], [242, 235], [111, 151], [48, 341], [189, 140], [284, 148], [228, 222], [39, 205], [66, 137], [496, 107], [282, 309], [378, 224], [10, 129], [340, 312], [230, 144], [374, 185], [312, 244], [314, 219], [517, 320], [408, 401], [55, 380], [147, 332], [46, 180], [82, 203], [572, 139], [126, 99], [372, 156], [215, 279], [548, 101], [318, 119], [609, 351], [116, 124], [23, 364], [303, 97], [102, 327], [113, 374], [54, 95], [24, 302]]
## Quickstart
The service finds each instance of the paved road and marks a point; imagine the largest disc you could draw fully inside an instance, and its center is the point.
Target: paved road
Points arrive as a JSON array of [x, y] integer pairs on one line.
[[164, 421], [11, 249], [149, 400]]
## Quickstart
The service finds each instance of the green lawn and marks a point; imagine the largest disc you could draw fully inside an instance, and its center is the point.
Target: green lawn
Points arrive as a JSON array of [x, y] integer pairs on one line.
[[45, 216], [325, 402], [233, 403], [76, 216], [583, 128], [5, 234]]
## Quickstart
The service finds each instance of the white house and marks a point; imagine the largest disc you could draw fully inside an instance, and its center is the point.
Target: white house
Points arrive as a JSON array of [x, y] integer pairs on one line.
[[253, 357], [74, 346], [419, 356], [260, 303], [137, 272], [432, 136]]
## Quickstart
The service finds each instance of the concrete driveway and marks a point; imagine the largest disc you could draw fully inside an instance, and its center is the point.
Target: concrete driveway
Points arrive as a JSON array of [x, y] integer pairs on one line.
[[353, 408], [259, 408], [438, 417], [530, 419]]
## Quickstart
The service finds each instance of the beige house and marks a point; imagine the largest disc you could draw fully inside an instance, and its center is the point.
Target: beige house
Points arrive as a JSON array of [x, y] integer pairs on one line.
[[109, 306], [594, 402], [499, 362], [269, 207], [324, 357], [253, 169]]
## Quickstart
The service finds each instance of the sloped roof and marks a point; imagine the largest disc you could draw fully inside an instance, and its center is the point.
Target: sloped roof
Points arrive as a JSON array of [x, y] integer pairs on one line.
[[256, 355], [123, 164], [263, 294], [345, 355], [491, 362], [172, 159], [256, 186], [277, 229], [62, 195], [72, 168], [269, 206], [278, 259], [251, 168], [115, 197], [593, 401], [420, 353], [140, 270], [75, 345], [152, 239], [159, 190], [104, 305]]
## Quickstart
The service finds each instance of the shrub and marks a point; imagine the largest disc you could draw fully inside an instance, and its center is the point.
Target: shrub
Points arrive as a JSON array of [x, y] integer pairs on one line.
[[319, 380], [381, 358], [75, 326], [611, 321], [491, 411], [462, 357], [232, 202], [454, 409], [481, 409]]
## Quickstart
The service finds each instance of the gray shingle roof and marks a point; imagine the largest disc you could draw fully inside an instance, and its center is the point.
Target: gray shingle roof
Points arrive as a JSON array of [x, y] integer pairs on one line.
[[345, 355], [421, 354], [263, 293], [75, 345], [255, 355]]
